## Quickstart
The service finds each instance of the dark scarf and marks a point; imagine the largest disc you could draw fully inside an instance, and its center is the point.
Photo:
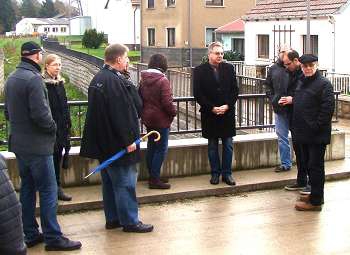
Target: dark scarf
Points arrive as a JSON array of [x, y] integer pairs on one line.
[[29, 61]]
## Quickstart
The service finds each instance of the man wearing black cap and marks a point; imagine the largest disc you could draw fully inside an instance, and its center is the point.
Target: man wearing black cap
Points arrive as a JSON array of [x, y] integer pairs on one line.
[[313, 109], [32, 138]]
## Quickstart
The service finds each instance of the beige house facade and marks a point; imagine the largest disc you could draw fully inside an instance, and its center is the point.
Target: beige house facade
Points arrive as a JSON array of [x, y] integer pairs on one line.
[[181, 29]]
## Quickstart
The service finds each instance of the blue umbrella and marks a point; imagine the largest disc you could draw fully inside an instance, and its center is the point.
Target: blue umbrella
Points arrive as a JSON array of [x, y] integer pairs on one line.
[[120, 154]]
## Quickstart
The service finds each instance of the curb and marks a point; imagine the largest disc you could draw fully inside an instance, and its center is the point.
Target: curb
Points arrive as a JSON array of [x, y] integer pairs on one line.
[[94, 205]]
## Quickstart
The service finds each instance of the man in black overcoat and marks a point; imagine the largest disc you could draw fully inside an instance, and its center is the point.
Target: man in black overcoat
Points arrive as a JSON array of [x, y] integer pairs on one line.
[[311, 126], [112, 125], [216, 91]]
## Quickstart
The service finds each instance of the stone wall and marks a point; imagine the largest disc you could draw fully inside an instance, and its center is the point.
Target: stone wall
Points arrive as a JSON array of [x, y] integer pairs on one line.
[[2, 74], [175, 56], [189, 157], [79, 72]]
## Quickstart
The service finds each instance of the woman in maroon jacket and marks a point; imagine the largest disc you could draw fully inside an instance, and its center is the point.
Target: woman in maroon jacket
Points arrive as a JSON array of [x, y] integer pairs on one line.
[[157, 114]]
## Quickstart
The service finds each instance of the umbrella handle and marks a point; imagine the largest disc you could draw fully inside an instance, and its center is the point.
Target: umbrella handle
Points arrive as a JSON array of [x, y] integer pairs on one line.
[[143, 138]]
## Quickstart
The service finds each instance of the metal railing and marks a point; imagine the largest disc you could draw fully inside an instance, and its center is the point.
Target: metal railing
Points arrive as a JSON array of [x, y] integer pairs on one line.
[[253, 111]]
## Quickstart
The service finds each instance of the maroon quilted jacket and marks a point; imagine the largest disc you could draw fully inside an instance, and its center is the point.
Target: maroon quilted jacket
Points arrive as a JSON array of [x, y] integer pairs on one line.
[[155, 91]]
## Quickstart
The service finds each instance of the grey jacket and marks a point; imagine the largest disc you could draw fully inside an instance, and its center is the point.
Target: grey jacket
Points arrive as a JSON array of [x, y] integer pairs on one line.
[[11, 230], [32, 128]]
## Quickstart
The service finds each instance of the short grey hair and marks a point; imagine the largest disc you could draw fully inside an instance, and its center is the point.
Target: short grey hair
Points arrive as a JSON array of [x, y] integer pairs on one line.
[[113, 51], [214, 44]]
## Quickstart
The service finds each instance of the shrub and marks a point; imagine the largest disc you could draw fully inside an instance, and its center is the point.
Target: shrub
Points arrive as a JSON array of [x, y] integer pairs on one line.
[[92, 39]]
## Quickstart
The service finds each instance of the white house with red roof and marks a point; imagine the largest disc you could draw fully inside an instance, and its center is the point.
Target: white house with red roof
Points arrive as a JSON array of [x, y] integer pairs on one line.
[[232, 36], [272, 23]]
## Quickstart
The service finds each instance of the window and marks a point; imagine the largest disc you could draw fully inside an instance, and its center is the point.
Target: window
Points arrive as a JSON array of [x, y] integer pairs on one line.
[[170, 3], [55, 29], [209, 36], [214, 2], [171, 37], [150, 4], [263, 46], [63, 29], [151, 36], [46, 29], [313, 44], [237, 45]]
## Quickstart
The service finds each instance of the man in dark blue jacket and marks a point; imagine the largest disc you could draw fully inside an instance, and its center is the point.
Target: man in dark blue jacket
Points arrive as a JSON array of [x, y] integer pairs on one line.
[[112, 125], [32, 138]]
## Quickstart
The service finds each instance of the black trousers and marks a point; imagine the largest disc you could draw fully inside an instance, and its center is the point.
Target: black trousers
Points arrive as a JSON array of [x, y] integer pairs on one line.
[[302, 175], [313, 158], [57, 159]]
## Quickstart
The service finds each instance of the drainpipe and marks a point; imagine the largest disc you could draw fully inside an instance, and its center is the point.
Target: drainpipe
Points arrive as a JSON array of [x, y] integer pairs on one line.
[[308, 36], [135, 27], [190, 31], [331, 20]]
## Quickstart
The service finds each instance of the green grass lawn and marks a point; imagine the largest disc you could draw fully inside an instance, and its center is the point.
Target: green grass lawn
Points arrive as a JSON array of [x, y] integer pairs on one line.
[[101, 51], [11, 49]]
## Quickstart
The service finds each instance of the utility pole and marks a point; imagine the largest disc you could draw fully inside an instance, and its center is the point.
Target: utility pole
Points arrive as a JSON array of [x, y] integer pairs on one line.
[[308, 36]]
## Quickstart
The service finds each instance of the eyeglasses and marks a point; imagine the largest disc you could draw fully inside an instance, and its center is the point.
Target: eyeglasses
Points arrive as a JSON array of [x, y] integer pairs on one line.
[[311, 65], [56, 64]]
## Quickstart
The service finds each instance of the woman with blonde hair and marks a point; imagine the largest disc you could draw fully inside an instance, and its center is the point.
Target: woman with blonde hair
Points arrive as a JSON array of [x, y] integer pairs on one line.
[[60, 113]]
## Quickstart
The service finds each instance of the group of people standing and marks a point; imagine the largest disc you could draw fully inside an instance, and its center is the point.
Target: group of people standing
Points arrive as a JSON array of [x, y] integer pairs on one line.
[[302, 99], [303, 102]]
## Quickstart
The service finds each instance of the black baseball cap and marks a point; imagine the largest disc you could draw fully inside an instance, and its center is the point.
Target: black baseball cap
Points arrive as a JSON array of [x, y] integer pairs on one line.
[[308, 58], [30, 48]]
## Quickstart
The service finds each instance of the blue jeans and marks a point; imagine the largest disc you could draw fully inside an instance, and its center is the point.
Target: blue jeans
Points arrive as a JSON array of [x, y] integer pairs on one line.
[[37, 173], [119, 194], [282, 130], [214, 158], [156, 152]]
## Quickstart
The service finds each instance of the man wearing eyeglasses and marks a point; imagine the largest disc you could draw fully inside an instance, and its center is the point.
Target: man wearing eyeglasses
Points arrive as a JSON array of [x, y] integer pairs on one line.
[[311, 126], [292, 64], [276, 83], [32, 138], [216, 91]]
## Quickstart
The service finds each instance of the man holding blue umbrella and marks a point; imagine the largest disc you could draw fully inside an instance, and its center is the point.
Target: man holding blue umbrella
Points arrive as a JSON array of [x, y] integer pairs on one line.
[[112, 125]]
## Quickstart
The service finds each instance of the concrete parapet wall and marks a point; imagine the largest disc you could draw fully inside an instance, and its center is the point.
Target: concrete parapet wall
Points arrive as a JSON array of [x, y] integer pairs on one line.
[[188, 157], [2, 72]]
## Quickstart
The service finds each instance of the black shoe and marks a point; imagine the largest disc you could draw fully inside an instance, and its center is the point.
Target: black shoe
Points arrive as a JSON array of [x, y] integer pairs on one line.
[[62, 196], [37, 240], [229, 180], [158, 184], [214, 179], [138, 228], [164, 179], [112, 225], [63, 244], [294, 186], [279, 169]]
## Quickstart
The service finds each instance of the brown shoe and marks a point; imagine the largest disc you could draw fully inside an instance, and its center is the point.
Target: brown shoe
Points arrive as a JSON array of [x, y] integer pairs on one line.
[[158, 184], [305, 198], [304, 206]]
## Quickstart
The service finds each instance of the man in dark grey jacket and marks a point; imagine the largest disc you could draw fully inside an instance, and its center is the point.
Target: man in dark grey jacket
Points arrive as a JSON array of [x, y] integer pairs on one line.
[[11, 229], [276, 87], [32, 138]]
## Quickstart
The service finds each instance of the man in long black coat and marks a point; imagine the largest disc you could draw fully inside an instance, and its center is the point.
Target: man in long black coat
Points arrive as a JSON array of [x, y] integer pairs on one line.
[[216, 91], [112, 125], [311, 126]]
